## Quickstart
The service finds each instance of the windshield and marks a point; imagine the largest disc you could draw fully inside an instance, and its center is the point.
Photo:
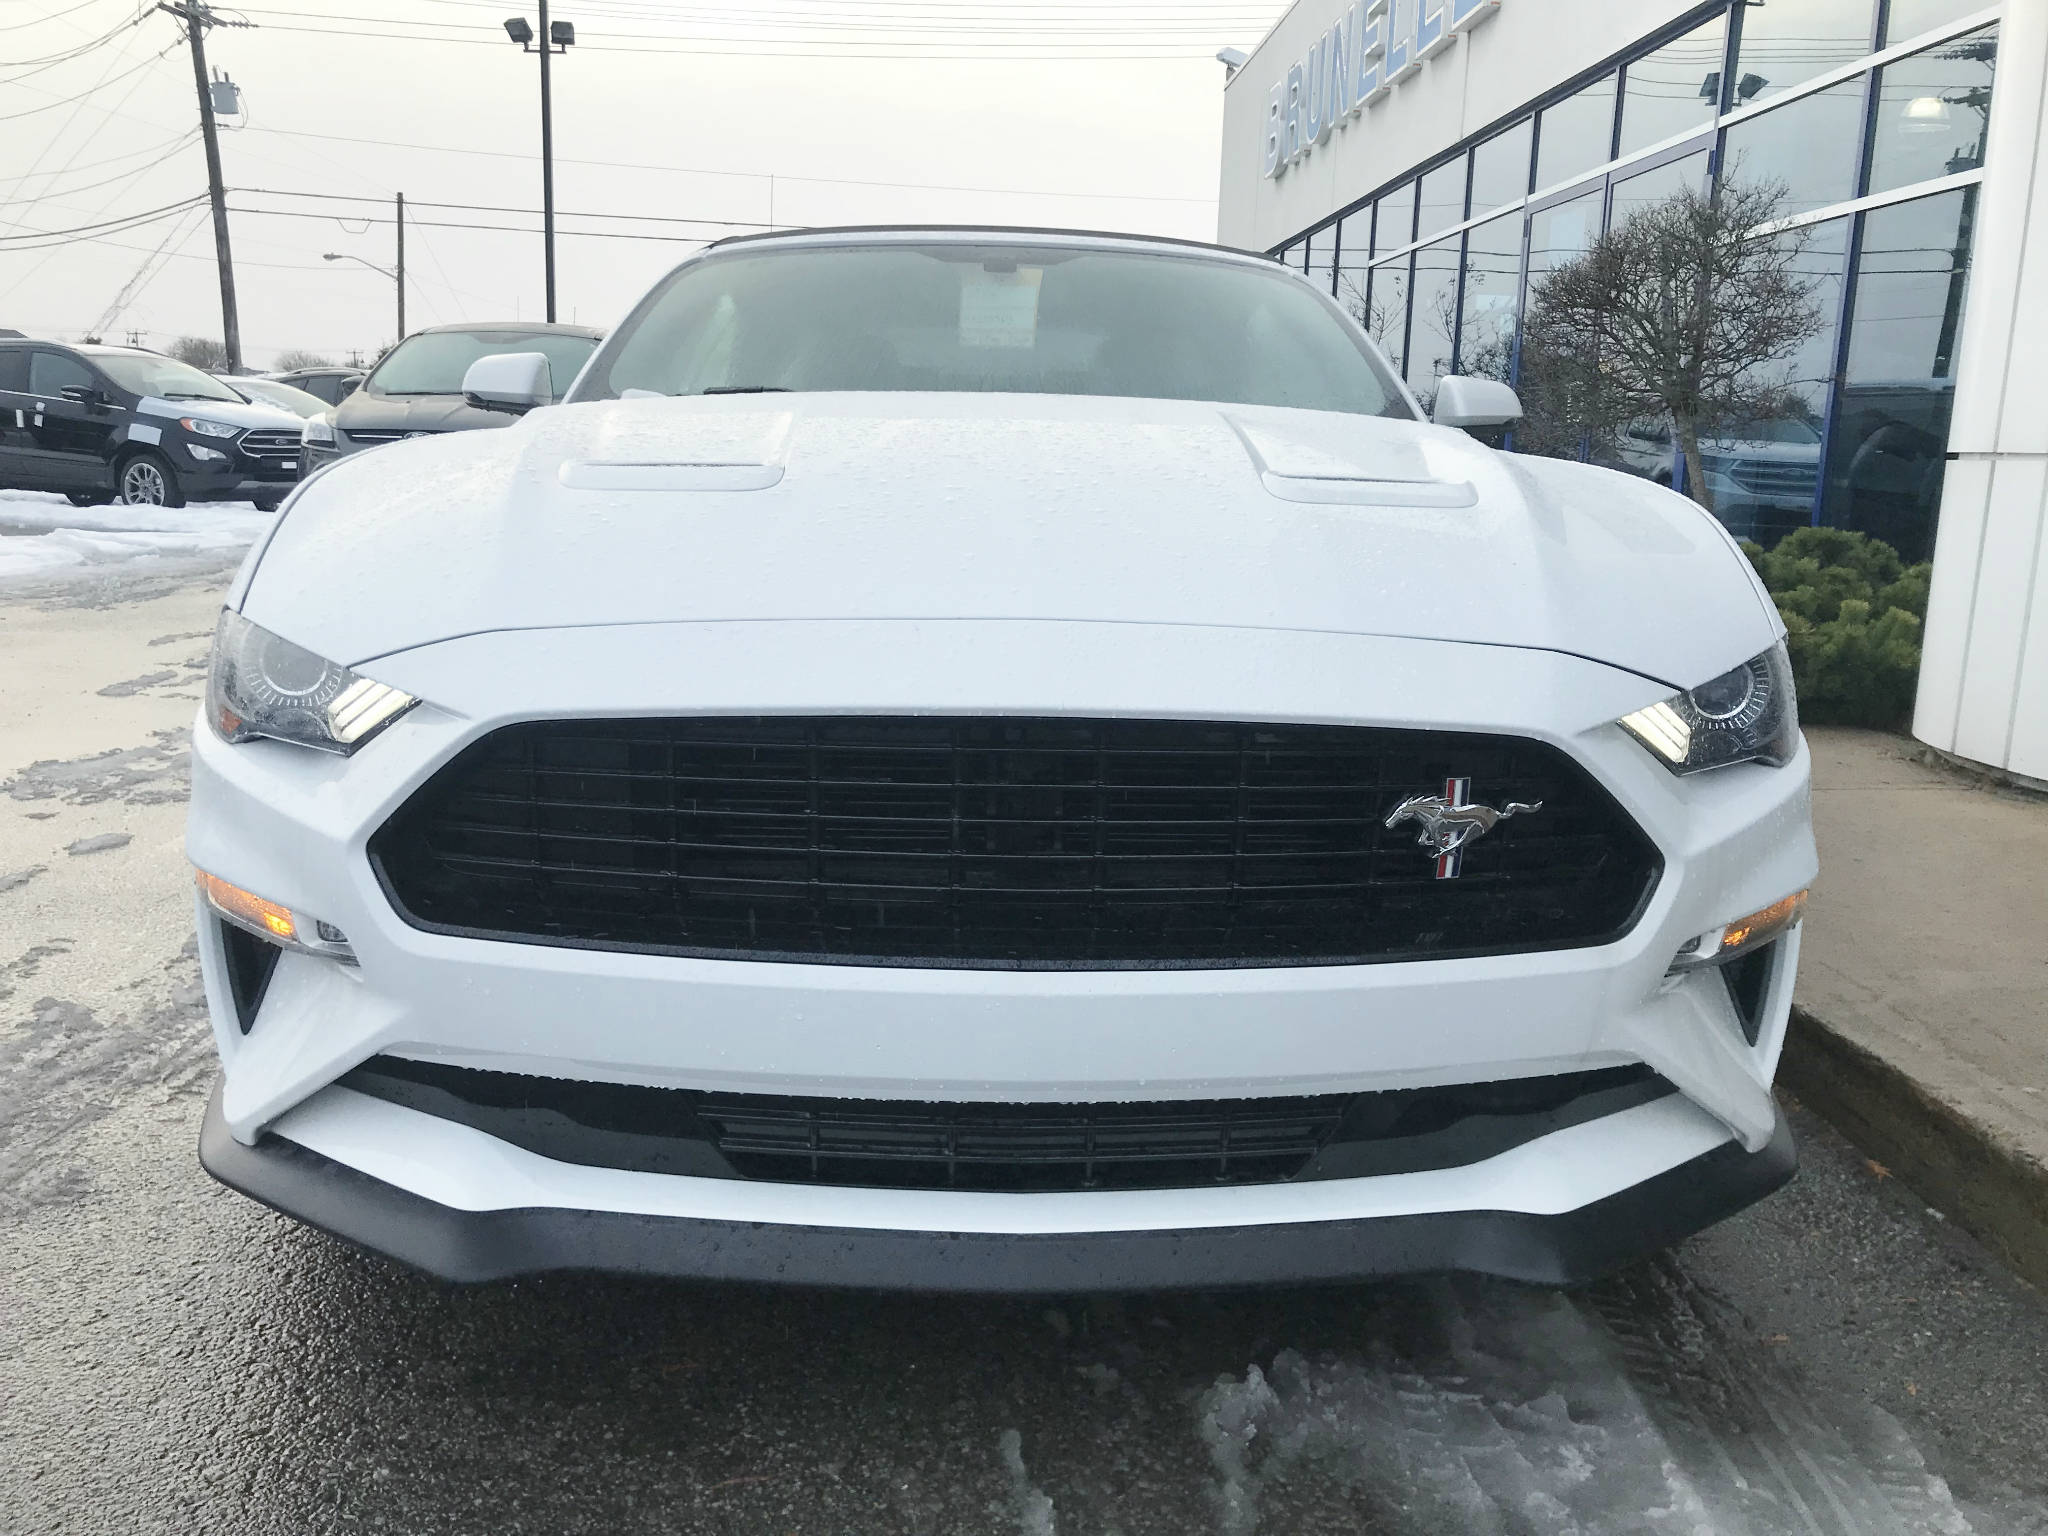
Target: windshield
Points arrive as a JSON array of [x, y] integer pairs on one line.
[[434, 362], [164, 377], [989, 317], [270, 392]]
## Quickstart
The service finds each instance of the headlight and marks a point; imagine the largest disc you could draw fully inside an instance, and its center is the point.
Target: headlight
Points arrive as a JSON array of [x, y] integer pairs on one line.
[[262, 685], [205, 428], [317, 430], [1746, 715]]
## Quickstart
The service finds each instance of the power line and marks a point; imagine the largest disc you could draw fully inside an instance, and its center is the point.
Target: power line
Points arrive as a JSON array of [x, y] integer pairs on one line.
[[1097, 26], [688, 170], [823, 50], [501, 229], [177, 148], [90, 91], [129, 154], [42, 239], [77, 50], [650, 218], [84, 5]]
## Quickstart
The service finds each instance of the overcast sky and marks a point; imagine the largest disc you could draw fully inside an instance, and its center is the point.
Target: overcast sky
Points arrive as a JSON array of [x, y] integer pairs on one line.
[[1090, 113]]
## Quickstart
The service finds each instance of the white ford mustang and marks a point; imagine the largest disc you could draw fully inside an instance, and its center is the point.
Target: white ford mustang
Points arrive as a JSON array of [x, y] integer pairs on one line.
[[996, 760]]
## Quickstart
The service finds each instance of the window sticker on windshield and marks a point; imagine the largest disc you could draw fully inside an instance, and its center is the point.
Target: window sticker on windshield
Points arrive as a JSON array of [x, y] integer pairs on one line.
[[1000, 309]]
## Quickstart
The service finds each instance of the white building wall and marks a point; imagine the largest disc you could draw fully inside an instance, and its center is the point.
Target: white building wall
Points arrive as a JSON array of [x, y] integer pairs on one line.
[[1984, 669], [1528, 48]]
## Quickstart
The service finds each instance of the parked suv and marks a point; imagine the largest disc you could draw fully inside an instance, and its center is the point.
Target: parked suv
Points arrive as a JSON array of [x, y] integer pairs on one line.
[[117, 424], [416, 387]]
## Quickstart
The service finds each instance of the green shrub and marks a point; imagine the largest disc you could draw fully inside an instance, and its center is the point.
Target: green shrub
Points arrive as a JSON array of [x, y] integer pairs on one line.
[[1852, 614]]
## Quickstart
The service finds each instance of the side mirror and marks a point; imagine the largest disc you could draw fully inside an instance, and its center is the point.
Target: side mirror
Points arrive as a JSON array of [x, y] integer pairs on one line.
[[1463, 401], [513, 382], [83, 394]]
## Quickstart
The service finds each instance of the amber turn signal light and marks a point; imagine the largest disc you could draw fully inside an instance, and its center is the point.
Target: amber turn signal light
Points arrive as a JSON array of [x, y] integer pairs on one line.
[[248, 909], [1741, 936]]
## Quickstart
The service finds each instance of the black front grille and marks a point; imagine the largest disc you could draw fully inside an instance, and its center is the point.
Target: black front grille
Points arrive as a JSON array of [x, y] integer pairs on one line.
[[270, 445], [370, 439], [1006, 842], [1775, 477], [890, 1144]]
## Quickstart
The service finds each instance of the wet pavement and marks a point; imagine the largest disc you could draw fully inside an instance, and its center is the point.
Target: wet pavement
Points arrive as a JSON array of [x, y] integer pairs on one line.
[[175, 1358]]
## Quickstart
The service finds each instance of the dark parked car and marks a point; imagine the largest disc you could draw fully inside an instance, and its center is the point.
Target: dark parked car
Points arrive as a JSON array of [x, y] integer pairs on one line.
[[116, 424], [416, 388], [332, 385], [285, 397]]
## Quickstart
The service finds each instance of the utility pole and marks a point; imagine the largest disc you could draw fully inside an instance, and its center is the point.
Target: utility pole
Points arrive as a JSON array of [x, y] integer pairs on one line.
[[401, 266], [197, 18]]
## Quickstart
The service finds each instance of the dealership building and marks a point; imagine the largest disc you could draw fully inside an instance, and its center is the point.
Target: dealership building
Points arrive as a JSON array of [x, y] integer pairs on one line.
[[1428, 161]]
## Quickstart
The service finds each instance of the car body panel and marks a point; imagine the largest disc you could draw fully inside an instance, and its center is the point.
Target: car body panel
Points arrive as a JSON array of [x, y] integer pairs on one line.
[[997, 506]]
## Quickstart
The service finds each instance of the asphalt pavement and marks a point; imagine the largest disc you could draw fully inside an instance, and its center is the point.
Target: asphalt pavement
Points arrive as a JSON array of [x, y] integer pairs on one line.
[[174, 1358]]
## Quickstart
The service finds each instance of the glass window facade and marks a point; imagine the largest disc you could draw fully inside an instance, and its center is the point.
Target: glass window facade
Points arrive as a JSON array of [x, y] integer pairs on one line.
[[1387, 321], [1907, 19], [1788, 42], [1659, 184], [1395, 225], [1500, 168], [1810, 146], [1676, 88], [1889, 445], [1576, 134], [1354, 245], [1440, 199], [1852, 423], [1489, 304], [1932, 112], [1322, 258], [1433, 318]]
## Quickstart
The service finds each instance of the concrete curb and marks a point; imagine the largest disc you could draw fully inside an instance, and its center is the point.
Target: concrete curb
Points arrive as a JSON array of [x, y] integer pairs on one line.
[[1994, 1190]]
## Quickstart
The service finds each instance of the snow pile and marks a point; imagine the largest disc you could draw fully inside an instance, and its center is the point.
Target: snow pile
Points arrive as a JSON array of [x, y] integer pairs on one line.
[[1531, 1412], [43, 535], [1028, 1504]]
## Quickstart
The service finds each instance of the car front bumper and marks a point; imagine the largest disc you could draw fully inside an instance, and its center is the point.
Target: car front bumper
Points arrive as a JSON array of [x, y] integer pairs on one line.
[[458, 1243], [293, 826]]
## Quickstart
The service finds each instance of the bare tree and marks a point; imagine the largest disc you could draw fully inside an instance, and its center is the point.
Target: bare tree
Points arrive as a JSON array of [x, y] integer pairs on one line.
[[1681, 312], [200, 352], [299, 358]]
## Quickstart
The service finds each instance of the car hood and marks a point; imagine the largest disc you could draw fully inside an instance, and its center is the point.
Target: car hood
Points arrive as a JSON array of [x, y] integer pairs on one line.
[[365, 412], [235, 413], [895, 506]]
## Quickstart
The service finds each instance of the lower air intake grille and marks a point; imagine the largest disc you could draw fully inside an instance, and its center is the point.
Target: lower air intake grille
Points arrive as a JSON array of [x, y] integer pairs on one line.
[[889, 1144], [1006, 842]]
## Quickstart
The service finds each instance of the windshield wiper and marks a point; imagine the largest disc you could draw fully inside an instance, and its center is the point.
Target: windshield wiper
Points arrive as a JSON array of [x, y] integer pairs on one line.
[[744, 389]]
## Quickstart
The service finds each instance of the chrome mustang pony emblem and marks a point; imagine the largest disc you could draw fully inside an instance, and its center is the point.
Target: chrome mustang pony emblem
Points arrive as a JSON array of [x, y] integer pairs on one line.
[[1450, 820]]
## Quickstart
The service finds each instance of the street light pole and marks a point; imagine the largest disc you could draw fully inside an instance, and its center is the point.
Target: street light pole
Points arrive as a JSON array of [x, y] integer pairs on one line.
[[554, 37], [400, 274], [547, 161], [398, 277]]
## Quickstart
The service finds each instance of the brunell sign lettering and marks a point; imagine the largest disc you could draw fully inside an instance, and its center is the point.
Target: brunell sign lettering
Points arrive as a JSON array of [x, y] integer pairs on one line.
[[1375, 45]]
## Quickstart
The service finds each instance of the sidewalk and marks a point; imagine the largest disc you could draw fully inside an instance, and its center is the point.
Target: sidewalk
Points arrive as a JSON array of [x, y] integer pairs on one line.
[[1921, 1022]]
